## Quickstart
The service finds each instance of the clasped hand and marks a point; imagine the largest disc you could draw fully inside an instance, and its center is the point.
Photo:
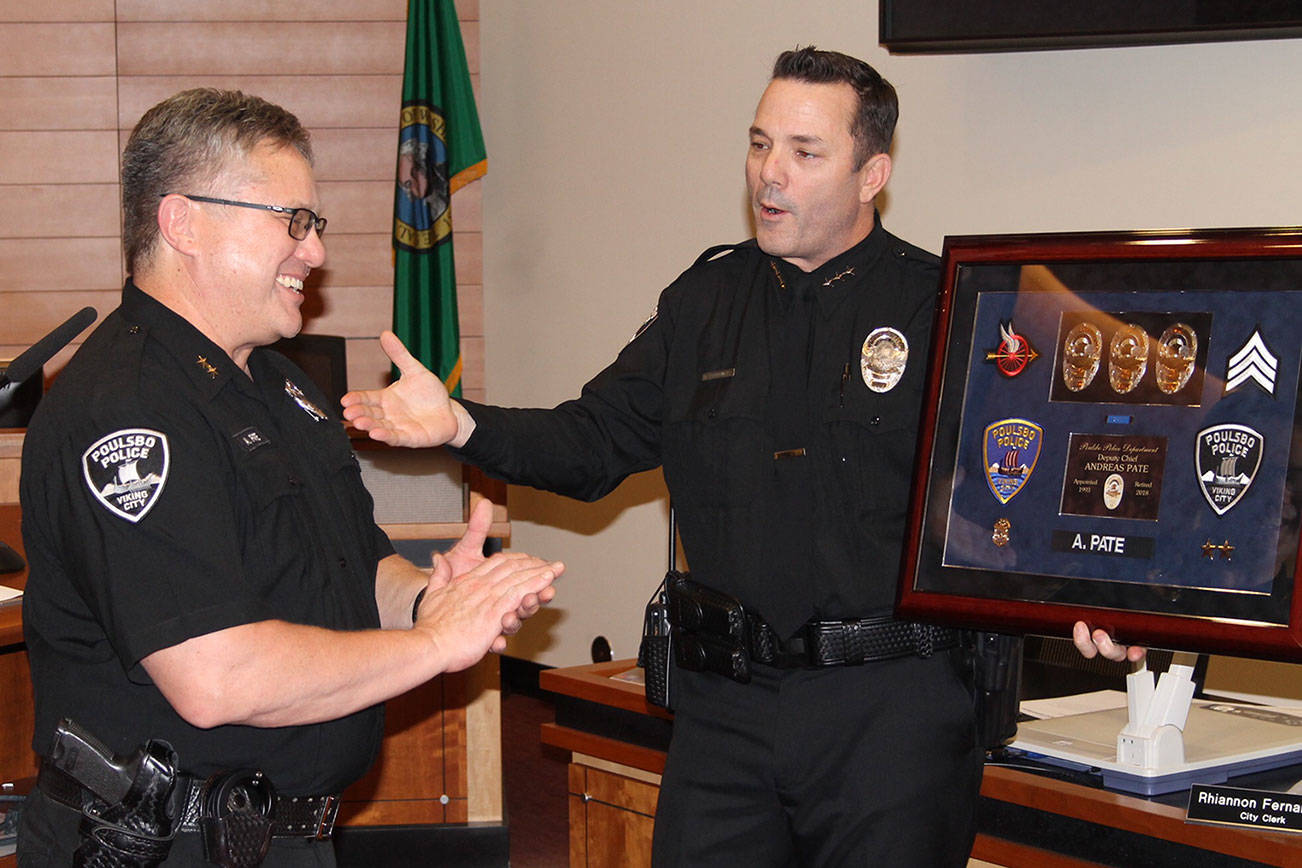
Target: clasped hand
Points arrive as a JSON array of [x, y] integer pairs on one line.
[[472, 602]]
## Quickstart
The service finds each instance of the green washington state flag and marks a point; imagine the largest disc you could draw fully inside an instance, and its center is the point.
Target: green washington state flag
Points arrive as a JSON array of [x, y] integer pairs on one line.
[[440, 150]]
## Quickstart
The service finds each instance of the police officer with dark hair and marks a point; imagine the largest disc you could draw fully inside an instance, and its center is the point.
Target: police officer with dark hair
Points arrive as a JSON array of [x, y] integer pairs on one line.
[[780, 385], [210, 602]]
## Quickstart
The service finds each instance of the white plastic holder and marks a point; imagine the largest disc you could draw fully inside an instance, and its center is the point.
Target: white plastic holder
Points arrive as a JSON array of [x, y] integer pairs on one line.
[[1153, 738]]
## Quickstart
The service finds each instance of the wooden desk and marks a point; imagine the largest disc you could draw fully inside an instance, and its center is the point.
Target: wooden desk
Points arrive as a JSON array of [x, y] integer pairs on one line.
[[614, 779]]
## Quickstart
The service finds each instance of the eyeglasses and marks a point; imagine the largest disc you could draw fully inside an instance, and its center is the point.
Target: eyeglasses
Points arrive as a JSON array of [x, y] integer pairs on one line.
[[301, 220]]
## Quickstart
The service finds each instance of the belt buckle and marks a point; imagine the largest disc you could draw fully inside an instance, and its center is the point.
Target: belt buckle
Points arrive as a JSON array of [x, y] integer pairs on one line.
[[326, 825]]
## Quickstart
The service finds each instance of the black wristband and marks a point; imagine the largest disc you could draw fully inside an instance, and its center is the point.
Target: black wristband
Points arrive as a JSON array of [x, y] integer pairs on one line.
[[415, 606]]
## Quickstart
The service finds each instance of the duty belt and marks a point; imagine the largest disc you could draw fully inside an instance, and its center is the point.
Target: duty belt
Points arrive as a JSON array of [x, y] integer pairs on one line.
[[847, 642], [292, 816], [714, 631]]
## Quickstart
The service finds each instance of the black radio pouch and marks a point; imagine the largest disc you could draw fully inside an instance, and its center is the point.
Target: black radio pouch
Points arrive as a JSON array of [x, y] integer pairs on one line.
[[655, 654], [711, 633]]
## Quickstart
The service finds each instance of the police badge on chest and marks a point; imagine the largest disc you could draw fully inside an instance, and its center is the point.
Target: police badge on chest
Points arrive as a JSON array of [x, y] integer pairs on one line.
[[293, 391]]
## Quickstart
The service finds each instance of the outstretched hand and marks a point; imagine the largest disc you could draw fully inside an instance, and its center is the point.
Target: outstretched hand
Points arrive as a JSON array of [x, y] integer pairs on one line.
[[1092, 644], [415, 410]]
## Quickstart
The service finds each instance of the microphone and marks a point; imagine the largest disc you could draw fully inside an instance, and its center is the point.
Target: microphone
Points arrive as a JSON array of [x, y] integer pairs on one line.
[[34, 358]]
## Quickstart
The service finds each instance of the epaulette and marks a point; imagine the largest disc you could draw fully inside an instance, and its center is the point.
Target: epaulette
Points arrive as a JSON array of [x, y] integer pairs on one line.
[[904, 250], [714, 252]]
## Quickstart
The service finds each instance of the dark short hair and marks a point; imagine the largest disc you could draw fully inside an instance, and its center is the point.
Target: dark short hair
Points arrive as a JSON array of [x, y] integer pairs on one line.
[[185, 142], [874, 123]]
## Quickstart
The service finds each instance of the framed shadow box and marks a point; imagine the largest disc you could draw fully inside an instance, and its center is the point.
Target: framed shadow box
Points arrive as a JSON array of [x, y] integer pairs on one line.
[[1112, 435]]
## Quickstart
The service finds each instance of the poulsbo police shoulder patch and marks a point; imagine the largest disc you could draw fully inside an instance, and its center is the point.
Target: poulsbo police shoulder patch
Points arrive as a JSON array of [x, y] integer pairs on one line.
[[126, 470]]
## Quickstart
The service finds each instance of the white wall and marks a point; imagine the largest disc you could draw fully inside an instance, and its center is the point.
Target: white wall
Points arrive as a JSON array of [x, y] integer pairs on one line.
[[616, 134]]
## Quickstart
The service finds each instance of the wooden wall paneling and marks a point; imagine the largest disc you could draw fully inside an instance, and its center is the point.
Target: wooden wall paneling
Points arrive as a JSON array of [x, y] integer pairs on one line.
[[363, 311], [470, 309], [59, 156], [358, 260], [472, 362], [292, 10], [352, 206], [240, 48], [65, 103], [46, 264], [57, 49], [468, 209], [361, 154], [56, 10], [30, 316], [359, 207], [368, 366], [320, 101], [58, 210], [253, 10], [469, 247], [470, 39], [349, 311]]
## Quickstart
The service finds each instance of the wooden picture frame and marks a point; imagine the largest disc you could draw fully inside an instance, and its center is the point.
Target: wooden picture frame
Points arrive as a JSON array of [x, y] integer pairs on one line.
[[1111, 434]]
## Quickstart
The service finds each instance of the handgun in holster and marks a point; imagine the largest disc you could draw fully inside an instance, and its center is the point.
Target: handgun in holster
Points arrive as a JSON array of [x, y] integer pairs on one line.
[[131, 805]]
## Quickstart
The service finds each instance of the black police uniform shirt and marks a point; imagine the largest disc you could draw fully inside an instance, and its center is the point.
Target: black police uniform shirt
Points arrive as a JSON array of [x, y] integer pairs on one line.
[[789, 474], [166, 495]]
